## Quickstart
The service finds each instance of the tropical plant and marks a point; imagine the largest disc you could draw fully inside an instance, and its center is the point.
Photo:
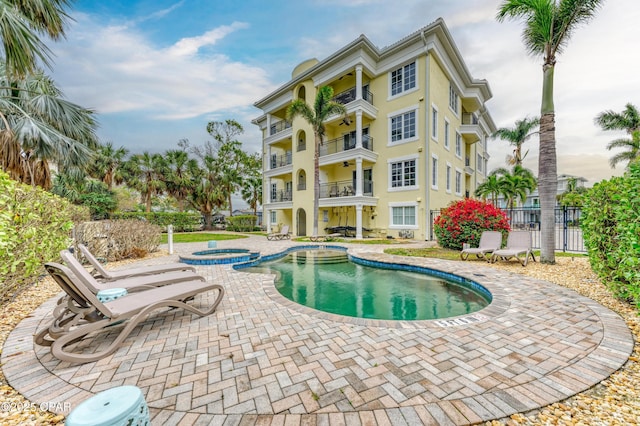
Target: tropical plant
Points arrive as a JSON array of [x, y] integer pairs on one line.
[[574, 195], [207, 193], [323, 108], [38, 126], [515, 185], [464, 221], [90, 193], [490, 188], [517, 136], [107, 164], [611, 227], [22, 22], [145, 173], [179, 177], [549, 25], [629, 121], [252, 183]]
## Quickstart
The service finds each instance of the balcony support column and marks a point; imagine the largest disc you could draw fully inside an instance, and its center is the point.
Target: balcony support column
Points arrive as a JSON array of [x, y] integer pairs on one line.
[[359, 182], [359, 128], [358, 221], [358, 82], [266, 218], [268, 125]]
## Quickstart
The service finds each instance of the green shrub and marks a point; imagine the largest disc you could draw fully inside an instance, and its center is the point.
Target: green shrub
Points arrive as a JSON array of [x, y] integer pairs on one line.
[[611, 229], [119, 239], [244, 223], [181, 221], [34, 226], [463, 222]]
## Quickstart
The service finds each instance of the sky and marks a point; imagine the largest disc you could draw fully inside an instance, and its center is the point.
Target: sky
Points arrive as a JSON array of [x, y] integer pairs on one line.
[[157, 71]]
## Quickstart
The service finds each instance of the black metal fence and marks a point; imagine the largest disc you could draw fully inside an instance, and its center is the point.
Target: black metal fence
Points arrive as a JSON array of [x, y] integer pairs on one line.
[[568, 231]]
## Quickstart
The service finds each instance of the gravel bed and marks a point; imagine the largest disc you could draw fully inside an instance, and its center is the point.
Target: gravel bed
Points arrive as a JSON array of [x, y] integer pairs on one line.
[[615, 401]]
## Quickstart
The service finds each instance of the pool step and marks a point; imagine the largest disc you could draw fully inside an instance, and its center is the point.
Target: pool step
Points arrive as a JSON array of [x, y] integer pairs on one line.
[[317, 257]]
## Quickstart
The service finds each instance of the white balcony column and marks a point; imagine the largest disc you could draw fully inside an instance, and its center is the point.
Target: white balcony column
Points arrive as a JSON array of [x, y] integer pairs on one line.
[[269, 165], [358, 82], [266, 217], [359, 182], [268, 125], [359, 129], [358, 221]]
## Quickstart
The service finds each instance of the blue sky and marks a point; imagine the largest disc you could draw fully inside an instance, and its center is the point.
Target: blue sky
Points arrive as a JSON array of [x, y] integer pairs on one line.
[[157, 71]]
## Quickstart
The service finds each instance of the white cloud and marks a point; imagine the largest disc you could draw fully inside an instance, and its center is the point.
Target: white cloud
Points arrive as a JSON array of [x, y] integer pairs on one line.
[[116, 69]]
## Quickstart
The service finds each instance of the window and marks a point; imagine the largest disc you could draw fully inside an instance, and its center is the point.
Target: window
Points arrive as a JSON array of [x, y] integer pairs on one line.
[[458, 182], [403, 79], [325, 215], [274, 217], [479, 165], [458, 145], [446, 133], [403, 216], [403, 126], [274, 192], [434, 122], [403, 174], [453, 99], [434, 172], [448, 177]]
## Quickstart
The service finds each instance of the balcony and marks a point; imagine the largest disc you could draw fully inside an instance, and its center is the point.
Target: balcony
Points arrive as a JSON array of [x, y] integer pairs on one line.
[[350, 95], [278, 161], [334, 146], [278, 127], [281, 195], [467, 166], [470, 129], [344, 188]]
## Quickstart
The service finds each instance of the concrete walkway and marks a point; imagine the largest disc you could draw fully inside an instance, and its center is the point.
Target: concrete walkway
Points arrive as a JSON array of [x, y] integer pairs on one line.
[[261, 359]]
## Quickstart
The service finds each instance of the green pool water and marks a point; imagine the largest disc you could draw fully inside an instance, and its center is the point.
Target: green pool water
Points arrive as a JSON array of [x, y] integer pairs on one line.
[[326, 280]]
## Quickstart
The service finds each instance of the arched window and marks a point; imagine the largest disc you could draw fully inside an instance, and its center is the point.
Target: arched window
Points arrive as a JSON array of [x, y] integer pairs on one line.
[[302, 180], [302, 141], [302, 93]]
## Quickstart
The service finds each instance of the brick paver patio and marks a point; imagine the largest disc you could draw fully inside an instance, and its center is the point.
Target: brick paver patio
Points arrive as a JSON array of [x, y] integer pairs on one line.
[[261, 359]]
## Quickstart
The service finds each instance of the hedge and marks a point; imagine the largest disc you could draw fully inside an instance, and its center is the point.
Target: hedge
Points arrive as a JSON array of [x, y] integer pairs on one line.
[[182, 222]]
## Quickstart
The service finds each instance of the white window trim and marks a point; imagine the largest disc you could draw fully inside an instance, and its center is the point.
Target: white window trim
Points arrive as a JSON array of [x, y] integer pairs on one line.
[[459, 193], [404, 92], [434, 185], [397, 160], [434, 126], [459, 100], [412, 108], [448, 169], [402, 204], [447, 130], [458, 136], [273, 217]]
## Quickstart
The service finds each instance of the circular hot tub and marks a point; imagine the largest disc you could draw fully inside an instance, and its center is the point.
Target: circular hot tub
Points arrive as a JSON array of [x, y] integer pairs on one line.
[[224, 256]]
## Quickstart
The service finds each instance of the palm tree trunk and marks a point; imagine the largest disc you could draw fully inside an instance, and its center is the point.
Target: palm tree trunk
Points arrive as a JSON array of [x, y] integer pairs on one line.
[[316, 182], [547, 170]]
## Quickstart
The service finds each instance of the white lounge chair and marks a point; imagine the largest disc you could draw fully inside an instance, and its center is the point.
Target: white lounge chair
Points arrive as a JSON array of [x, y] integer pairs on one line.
[[489, 241], [518, 244], [283, 234]]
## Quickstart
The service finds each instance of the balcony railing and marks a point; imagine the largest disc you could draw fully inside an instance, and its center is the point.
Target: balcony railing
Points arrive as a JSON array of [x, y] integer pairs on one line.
[[344, 188], [349, 95], [281, 195], [340, 144], [469, 118], [280, 160], [279, 127]]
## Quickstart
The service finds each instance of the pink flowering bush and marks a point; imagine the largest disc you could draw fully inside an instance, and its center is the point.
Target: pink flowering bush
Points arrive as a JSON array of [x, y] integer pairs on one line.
[[463, 222]]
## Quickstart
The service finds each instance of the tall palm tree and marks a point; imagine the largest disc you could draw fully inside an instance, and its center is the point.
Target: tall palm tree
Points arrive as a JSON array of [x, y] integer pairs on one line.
[[207, 193], [629, 121], [21, 23], [179, 178], [549, 25], [38, 126], [490, 188], [252, 185], [107, 164], [145, 173], [515, 184], [323, 108], [516, 136]]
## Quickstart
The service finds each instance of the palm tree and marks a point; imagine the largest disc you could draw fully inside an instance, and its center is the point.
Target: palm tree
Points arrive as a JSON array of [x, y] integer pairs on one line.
[[179, 178], [145, 173], [549, 25], [515, 184], [21, 23], [323, 108], [107, 165], [207, 192], [489, 188], [516, 136], [629, 121], [252, 185], [38, 126]]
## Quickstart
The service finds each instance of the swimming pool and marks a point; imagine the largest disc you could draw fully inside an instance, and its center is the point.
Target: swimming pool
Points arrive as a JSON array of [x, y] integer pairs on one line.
[[317, 279]]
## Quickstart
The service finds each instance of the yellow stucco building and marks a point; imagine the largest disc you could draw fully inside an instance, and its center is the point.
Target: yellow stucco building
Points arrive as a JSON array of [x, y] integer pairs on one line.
[[415, 138]]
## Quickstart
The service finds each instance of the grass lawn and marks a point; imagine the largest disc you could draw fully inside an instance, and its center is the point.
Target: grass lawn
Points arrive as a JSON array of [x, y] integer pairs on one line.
[[442, 253], [197, 237], [351, 240]]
